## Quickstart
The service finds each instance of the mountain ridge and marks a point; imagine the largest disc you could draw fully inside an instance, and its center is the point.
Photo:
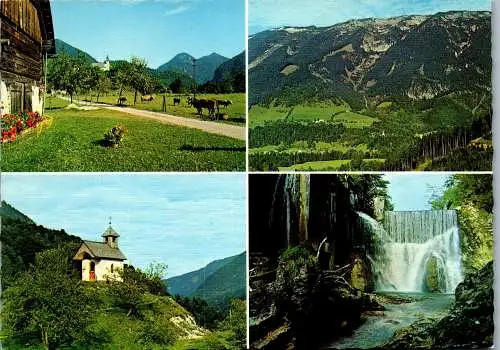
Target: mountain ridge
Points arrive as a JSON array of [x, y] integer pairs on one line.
[[414, 56], [205, 65], [204, 282], [62, 46]]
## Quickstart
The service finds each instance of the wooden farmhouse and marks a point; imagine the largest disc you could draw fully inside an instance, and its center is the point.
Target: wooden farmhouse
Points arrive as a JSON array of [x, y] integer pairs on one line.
[[101, 261], [26, 40]]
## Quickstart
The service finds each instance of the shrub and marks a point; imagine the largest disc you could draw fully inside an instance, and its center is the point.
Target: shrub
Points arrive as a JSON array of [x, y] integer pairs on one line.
[[114, 137]]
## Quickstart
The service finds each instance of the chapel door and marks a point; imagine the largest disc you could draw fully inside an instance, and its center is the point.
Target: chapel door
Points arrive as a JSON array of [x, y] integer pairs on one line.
[[92, 271]]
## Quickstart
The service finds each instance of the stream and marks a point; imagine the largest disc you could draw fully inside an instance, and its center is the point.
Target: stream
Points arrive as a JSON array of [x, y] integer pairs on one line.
[[378, 329]]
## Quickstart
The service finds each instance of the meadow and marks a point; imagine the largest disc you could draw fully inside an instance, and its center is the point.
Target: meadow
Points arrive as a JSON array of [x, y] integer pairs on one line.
[[72, 140], [328, 113], [235, 112], [325, 111]]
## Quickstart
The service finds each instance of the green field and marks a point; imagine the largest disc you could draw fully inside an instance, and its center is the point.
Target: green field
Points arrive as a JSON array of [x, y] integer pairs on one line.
[[327, 111], [72, 141], [235, 111], [258, 115], [303, 146], [319, 165], [325, 165]]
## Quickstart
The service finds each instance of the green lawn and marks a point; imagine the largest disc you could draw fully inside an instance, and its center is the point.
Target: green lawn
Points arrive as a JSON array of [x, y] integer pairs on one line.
[[236, 111], [71, 141]]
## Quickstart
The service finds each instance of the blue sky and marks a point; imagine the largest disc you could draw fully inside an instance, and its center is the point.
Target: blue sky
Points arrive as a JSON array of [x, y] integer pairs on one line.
[[185, 221], [265, 14], [156, 30], [412, 191]]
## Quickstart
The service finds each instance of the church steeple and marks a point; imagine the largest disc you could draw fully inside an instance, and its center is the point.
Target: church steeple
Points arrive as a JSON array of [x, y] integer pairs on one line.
[[111, 236]]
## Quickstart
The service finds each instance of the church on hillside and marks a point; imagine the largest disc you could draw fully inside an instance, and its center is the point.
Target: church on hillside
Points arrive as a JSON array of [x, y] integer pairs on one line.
[[101, 261]]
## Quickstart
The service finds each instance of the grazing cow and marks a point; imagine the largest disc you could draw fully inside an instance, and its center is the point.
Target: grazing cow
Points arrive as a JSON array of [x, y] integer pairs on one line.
[[177, 100], [199, 104], [147, 98], [121, 100], [224, 103]]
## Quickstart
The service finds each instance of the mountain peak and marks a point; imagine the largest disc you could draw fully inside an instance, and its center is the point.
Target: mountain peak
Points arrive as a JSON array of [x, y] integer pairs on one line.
[[205, 66], [7, 210], [62, 46]]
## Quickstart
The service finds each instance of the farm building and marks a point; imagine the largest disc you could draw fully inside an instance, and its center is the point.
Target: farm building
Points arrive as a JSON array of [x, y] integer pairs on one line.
[[100, 261], [26, 40]]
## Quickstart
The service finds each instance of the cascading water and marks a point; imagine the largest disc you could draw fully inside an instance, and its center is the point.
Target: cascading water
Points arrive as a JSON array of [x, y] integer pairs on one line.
[[292, 193], [415, 249]]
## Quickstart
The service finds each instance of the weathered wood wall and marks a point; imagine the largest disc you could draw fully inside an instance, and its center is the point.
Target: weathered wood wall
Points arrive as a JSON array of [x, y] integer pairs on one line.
[[20, 24]]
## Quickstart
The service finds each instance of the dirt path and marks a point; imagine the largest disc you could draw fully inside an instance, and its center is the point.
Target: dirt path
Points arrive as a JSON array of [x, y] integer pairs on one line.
[[233, 131]]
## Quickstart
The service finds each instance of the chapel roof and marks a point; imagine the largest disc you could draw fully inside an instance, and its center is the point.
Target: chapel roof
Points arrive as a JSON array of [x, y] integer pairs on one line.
[[110, 232], [103, 250]]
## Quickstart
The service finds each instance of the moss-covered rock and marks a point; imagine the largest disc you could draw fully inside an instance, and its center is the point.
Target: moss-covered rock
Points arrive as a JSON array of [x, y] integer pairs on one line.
[[361, 277], [434, 280]]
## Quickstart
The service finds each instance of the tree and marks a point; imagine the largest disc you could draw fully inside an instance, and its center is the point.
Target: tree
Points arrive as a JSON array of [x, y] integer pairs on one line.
[[236, 323], [138, 78], [103, 84], [176, 85], [472, 197], [48, 301], [67, 73], [89, 79]]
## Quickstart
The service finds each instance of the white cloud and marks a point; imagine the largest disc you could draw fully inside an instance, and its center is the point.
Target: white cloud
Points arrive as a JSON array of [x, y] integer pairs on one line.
[[176, 10]]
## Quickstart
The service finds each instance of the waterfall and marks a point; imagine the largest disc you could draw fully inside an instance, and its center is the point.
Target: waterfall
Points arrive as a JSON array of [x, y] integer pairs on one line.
[[415, 251], [292, 193]]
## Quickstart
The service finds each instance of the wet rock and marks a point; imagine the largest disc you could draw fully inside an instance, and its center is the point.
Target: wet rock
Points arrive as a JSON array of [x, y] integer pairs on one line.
[[434, 276], [309, 306], [469, 324], [361, 277]]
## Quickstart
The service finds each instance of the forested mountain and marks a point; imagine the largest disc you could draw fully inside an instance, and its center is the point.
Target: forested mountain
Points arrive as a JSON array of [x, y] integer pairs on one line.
[[21, 239], [232, 72], [217, 282], [415, 57], [402, 93], [228, 282], [230, 68], [205, 66], [62, 46], [8, 211]]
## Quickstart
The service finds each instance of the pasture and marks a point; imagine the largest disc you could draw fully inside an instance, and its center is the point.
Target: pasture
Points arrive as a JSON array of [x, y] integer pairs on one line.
[[72, 141], [304, 146], [327, 111], [235, 112], [318, 165], [326, 165]]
